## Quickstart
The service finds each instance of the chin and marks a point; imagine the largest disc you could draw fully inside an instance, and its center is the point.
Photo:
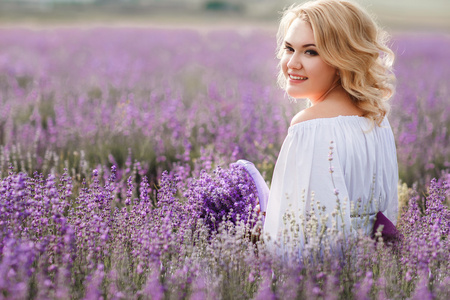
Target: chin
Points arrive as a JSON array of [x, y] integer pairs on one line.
[[295, 94]]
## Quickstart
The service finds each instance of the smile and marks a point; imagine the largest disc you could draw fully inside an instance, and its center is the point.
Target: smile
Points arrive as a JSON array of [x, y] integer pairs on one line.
[[297, 77]]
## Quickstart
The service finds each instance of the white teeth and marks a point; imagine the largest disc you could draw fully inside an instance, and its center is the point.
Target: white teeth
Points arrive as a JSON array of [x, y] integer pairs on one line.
[[298, 77]]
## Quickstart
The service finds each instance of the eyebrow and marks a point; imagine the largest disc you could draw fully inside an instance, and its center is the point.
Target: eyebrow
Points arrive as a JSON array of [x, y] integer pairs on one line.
[[304, 46]]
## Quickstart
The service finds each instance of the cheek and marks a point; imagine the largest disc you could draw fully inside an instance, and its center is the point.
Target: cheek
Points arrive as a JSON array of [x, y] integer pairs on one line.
[[326, 73], [329, 71]]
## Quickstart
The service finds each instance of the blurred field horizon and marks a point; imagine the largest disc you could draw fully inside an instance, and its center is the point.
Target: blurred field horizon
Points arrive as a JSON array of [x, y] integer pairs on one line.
[[396, 16]]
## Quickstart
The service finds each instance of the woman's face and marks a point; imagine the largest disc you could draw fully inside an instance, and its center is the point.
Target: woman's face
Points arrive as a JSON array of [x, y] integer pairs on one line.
[[307, 75]]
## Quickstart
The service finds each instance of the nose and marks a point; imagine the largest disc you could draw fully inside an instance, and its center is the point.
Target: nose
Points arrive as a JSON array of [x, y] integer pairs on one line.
[[294, 62]]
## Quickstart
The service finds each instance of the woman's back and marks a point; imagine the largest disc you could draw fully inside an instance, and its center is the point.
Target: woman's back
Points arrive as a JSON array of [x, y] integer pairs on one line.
[[363, 162]]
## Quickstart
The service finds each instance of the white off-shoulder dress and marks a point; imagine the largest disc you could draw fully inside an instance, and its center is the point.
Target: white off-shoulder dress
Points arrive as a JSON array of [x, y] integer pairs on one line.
[[365, 171]]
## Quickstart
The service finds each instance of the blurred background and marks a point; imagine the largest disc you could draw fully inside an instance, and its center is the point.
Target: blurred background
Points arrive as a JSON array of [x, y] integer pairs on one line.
[[88, 83], [396, 15]]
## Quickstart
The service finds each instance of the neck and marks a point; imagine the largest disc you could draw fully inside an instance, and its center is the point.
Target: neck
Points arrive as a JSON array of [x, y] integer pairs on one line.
[[335, 89]]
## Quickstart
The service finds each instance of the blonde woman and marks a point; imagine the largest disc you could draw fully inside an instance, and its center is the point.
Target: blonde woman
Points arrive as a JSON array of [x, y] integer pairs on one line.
[[341, 148]]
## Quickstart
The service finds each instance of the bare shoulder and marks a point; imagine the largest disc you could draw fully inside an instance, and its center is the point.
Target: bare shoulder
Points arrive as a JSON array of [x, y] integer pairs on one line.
[[318, 111], [309, 113], [326, 109]]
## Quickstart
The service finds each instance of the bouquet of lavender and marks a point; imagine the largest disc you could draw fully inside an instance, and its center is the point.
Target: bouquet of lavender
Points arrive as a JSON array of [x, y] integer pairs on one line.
[[226, 194]]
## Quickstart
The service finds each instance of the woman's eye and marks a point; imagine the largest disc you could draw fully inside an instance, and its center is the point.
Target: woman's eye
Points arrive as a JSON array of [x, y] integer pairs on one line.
[[311, 52], [290, 49]]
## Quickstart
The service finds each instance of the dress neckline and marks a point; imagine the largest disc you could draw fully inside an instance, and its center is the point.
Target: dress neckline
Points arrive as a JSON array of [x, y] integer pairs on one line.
[[326, 120]]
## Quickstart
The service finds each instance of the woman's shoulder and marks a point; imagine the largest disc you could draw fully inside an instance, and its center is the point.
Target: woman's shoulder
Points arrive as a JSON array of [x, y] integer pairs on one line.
[[331, 125], [304, 115], [323, 112]]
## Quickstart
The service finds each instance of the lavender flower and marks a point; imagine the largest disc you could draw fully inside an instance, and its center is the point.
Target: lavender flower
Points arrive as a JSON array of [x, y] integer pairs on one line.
[[87, 209], [227, 194]]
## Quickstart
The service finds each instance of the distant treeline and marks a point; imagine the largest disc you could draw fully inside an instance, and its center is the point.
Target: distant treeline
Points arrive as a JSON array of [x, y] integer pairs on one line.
[[254, 7]]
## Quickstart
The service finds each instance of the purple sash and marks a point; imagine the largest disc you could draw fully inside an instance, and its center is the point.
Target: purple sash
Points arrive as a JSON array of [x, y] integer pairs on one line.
[[389, 231]]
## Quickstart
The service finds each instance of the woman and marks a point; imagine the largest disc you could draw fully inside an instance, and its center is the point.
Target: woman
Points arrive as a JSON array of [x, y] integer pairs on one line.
[[341, 148]]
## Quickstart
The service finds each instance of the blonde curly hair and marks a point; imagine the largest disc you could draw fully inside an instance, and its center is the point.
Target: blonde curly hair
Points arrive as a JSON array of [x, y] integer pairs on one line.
[[348, 39]]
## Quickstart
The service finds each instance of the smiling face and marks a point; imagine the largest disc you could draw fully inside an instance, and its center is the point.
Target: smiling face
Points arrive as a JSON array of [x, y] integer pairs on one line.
[[307, 75]]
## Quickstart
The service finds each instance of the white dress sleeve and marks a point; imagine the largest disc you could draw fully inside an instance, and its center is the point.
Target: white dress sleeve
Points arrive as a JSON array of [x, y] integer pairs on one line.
[[260, 183], [364, 174]]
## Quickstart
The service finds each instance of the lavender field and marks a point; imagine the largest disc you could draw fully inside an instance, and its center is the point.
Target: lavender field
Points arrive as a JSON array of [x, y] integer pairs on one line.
[[117, 179]]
